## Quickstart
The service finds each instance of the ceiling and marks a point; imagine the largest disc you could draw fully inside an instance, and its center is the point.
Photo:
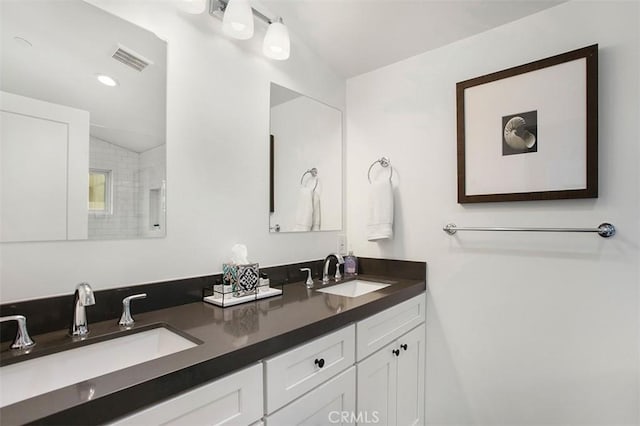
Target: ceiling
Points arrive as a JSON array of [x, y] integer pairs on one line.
[[358, 36], [69, 42]]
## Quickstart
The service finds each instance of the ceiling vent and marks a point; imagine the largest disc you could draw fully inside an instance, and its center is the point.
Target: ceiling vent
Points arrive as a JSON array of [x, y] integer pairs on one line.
[[131, 58]]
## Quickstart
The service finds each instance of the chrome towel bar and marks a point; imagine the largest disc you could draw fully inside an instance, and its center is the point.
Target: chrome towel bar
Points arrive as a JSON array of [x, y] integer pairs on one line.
[[605, 230]]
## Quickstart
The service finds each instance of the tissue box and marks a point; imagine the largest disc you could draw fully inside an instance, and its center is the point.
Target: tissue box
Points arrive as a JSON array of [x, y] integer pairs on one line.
[[242, 278], [240, 284]]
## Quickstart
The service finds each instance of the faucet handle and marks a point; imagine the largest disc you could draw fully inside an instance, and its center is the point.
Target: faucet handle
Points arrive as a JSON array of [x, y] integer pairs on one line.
[[126, 320], [338, 275], [22, 340], [309, 281]]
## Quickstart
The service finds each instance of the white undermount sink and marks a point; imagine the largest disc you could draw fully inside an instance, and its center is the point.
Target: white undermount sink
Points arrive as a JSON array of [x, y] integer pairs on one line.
[[353, 288], [36, 376]]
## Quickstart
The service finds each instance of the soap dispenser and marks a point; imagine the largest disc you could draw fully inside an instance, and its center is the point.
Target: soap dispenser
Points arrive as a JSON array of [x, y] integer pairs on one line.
[[350, 264]]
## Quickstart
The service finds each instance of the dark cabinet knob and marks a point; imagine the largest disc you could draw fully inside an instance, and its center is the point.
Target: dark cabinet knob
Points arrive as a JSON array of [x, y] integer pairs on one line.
[[404, 346], [319, 362], [396, 352]]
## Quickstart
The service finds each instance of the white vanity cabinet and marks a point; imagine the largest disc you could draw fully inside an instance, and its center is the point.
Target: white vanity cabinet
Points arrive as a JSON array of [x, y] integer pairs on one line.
[[236, 399], [391, 381], [390, 369], [385, 387], [320, 382]]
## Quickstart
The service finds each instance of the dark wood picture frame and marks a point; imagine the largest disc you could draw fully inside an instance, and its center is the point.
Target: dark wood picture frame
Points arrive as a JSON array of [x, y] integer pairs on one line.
[[590, 53]]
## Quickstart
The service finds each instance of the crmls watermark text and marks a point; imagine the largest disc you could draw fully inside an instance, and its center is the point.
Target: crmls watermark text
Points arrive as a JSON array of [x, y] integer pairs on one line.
[[361, 417]]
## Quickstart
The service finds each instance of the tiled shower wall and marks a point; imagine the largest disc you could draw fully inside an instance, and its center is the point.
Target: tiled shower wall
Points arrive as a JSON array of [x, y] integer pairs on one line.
[[151, 178], [124, 165]]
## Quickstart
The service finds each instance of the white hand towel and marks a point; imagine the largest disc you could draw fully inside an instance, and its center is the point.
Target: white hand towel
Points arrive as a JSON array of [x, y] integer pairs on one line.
[[380, 218], [315, 226], [304, 211]]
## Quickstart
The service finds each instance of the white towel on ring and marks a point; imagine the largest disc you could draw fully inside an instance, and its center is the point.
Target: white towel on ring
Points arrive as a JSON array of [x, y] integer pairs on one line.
[[380, 215], [315, 220], [304, 210]]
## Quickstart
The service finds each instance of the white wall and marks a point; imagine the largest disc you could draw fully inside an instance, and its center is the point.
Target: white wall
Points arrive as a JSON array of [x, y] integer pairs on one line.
[[522, 329], [307, 134], [217, 165]]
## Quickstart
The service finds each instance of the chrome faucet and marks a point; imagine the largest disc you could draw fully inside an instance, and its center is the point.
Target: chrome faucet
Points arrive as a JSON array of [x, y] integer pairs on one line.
[[126, 320], [22, 340], [325, 271], [83, 297]]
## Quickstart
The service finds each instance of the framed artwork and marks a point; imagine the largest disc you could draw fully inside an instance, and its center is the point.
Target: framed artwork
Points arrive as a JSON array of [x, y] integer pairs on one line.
[[530, 132]]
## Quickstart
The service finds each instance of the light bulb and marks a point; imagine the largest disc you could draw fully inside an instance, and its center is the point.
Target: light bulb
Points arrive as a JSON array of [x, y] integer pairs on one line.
[[238, 19], [194, 7], [276, 43]]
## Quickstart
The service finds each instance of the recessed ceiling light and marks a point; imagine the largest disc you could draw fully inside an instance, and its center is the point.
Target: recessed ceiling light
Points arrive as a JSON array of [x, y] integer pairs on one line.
[[22, 41], [106, 80]]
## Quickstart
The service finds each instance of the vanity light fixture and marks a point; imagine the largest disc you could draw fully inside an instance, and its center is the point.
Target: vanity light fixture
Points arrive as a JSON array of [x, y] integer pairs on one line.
[[106, 80], [276, 42], [237, 22]]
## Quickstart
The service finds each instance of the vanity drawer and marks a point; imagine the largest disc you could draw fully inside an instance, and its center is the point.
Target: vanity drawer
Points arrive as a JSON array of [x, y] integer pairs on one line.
[[324, 405], [297, 371], [234, 399], [378, 330]]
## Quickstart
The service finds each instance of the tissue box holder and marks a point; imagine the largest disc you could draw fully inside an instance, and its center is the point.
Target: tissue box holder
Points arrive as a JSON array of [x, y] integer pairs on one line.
[[240, 284]]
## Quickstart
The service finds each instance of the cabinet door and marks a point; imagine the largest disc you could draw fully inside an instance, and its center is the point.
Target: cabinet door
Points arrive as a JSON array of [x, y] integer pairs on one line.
[[297, 371], [332, 403], [377, 386], [410, 399], [235, 399]]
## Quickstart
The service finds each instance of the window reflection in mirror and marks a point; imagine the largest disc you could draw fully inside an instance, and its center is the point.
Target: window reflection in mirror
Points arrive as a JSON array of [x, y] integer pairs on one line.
[[72, 54], [99, 191], [305, 163]]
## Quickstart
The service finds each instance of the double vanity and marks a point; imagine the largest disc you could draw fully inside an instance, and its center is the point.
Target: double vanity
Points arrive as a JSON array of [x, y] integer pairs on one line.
[[282, 360], [104, 175]]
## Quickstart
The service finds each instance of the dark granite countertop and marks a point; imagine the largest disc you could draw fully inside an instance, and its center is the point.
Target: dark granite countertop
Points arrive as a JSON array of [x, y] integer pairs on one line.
[[232, 338]]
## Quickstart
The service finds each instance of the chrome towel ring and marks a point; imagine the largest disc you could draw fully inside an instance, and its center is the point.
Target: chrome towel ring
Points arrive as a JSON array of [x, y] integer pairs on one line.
[[314, 173], [384, 162]]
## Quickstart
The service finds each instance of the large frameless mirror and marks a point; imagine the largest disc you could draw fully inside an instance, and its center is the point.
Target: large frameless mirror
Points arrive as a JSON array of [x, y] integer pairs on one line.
[[83, 150], [305, 163]]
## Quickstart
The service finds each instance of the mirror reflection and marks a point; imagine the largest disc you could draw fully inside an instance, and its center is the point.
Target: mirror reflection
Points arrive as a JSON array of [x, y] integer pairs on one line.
[[306, 163], [83, 118]]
